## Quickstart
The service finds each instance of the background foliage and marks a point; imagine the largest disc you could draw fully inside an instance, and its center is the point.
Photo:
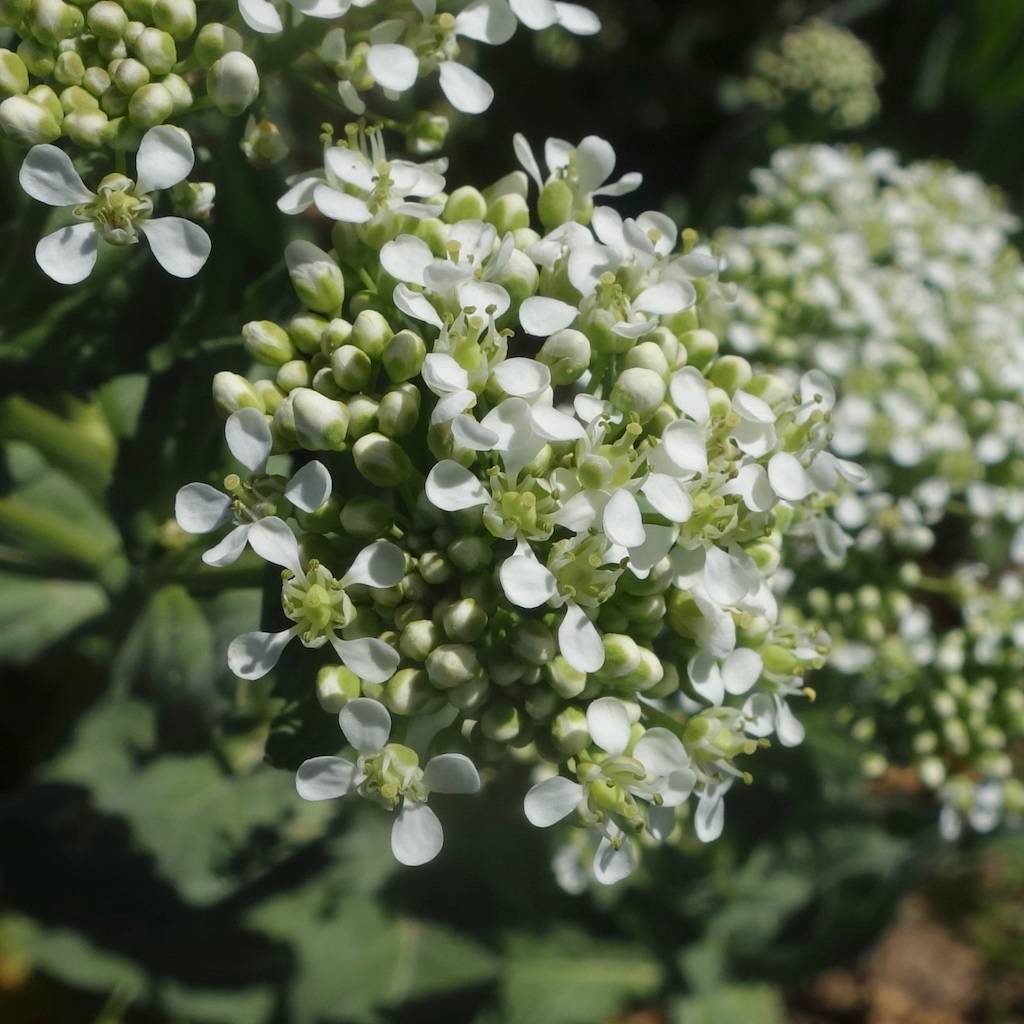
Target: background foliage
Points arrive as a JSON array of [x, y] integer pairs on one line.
[[154, 866]]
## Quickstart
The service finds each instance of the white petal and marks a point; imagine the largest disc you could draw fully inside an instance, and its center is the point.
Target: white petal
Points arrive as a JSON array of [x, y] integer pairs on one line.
[[465, 89], [394, 66], [366, 724], [230, 549], [300, 196], [442, 374], [657, 544], [380, 565], [759, 709], [579, 640], [684, 445], [451, 487], [753, 486], [587, 263], [411, 179], [581, 511], [309, 487], [321, 8], [451, 773], [416, 836], [667, 498], [577, 19], [553, 425], [526, 583], [725, 577], [706, 678], [340, 206], [372, 660], [416, 305], [752, 408], [815, 387], [524, 154], [324, 778], [622, 522], [165, 157], [689, 392], [551, 800], [180, 246], [68, 255], [253, 655], [535, 14], [595, 161], [467, 433], [635, 329], [756, 439], [352, 100], [788, 478], [200, 508], [665, 298], [349, 167], [661, 821], [661, 752], [484, 297], [47, 174], [524, 378], [249, 439], [612, 864], [260, 16], [678, 786], [389, 31], [717, 630], [741, 670], [709, 818], [454, 405], [406, 258], [272, 539], [486, 21], [787, 727], [543, 317], [608, 723], [627, 183]]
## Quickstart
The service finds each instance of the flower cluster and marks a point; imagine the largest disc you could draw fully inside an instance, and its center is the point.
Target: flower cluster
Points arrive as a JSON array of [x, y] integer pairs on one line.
[[545, 512], [822, 67], [902, 281]]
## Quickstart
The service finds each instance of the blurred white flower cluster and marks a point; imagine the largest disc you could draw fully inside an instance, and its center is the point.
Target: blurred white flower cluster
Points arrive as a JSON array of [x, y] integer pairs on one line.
[[902, 283], [545, 511]]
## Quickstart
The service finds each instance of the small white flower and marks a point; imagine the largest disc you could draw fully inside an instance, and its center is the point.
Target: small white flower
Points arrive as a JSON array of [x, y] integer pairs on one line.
[[586, 167]]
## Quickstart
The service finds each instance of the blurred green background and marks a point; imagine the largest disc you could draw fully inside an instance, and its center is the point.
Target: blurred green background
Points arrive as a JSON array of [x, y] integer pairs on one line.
[[155, 865]]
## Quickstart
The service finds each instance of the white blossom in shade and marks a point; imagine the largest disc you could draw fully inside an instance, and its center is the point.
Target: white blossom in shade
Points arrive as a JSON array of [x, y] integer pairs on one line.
[[318, 606], [735, 674], [389, 774], [360, 184], [586, 168], [200, 508], [709, 817], [119, 212], [541, 14]]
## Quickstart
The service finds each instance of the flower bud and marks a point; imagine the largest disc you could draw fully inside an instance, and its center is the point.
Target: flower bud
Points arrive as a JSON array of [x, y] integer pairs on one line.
[[13, 11], [50, 21], [363, 411], [381, 461], [500, 721], [351, 368], [74, 98], [151, 105], [14, 74], [730, 373], [180, 90], [87, 127], [114, 49], [469, 697], [468, 554], [156, 50], [232, 392], [39, 59], [403, 356], [466, 203], [569, 732], [96, 81], [426, 133], [371, 333], [336, 685], [638, 390], [464, 621], [408, 692], [267, 343], [337, 334], [508, 212], [107, 20], [263, 144], [315, 277], [213, 42], [399, 410], [130, 74], [701, 346], [366, 517], [452, 665], [418, 639], [176, 17], [26, 122], [621, 655], [555, 203], [648, 356], [567, 355], [534, 642], [233, 83], [565, 680], [293, 374], [321, 423], [541, 703], [435, 569]]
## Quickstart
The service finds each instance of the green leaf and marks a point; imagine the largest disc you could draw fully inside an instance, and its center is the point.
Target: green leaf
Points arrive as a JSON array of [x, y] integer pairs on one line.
[[751, 1004]]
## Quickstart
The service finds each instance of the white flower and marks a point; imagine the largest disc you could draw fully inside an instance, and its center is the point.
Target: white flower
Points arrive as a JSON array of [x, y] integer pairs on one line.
[[200, 508], [585, 168], [119, 211], [541, 14], [262, 15], [389, 773]]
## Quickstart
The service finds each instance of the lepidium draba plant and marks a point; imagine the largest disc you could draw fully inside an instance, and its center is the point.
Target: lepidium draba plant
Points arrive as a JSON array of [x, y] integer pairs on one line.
[[533, 515]]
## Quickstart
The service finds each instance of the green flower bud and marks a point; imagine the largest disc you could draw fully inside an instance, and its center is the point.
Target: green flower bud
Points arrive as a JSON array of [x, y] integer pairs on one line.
[[315, 277], [114, 49], [87, 127], [500, 721], [176, 17], [403, 356], [263, 144], [14, 74], [305, 331], [468, 554], [565, 680], [37, 58], [648, 672], [233, 83], [107, 20], [701, 347], [336, 685], [730, 373], [469, 697], [464, 621], [293, 374], [638, 390], [570, 733], [26, 122], [668, 685], [321, 423], [232, 392], [508, 212], [408, 692], [324, 382], [96, 81], [267, 343], [337, 334], [648, 356], [69, 69], [555, 204], [363, 411], [567, 355], [50, 21], [76, 98], [399, 410], [351, 368], [12, 12], [371, 333], [778, 659], [151, 105], [434, 568], [452, 665], [534, 642], [156, 49], [466, 203], [140, 10], [621, 655], [418, 639], [381, 461], [541, 703], [180, 90], [129, 75], [46, 97], [213, 42], [426, 133], [366, 517]]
